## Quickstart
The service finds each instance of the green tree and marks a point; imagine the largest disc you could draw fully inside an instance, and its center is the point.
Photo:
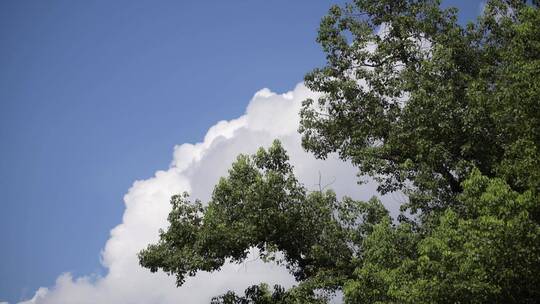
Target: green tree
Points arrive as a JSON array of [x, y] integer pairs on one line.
[[447, 114], [261, 294], [489, 255], [261, 204], [417, 100]]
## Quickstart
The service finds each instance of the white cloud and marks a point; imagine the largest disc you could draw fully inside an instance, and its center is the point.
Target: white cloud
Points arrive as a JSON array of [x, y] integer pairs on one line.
[[196, 168], [40, 294]]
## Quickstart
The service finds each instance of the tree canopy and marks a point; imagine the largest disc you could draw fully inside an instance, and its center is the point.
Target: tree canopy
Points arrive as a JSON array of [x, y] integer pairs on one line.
[[445, 113]]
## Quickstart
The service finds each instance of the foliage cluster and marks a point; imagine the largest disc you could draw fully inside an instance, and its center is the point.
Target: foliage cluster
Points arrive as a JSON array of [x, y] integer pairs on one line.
[[445, 113]]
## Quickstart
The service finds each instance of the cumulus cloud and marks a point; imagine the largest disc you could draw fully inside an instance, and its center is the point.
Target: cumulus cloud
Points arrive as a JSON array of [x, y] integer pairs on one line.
[[196, 168]]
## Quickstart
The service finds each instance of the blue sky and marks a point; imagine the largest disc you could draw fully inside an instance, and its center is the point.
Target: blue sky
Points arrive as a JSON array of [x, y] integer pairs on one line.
[[95, 94]]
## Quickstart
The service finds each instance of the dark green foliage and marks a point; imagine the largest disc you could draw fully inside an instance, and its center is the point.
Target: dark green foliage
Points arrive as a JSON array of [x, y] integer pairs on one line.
[[447, 114], [427, 100], [262, 205], [260, 294]]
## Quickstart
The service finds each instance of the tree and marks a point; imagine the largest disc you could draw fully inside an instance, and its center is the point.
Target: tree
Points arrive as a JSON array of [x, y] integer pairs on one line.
[[260, 294], [489, 255], [261, 204], [424, 100], [447, 114]]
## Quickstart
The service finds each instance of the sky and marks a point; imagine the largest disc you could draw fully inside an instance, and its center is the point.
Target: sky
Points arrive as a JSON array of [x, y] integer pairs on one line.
[[96, 97]]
